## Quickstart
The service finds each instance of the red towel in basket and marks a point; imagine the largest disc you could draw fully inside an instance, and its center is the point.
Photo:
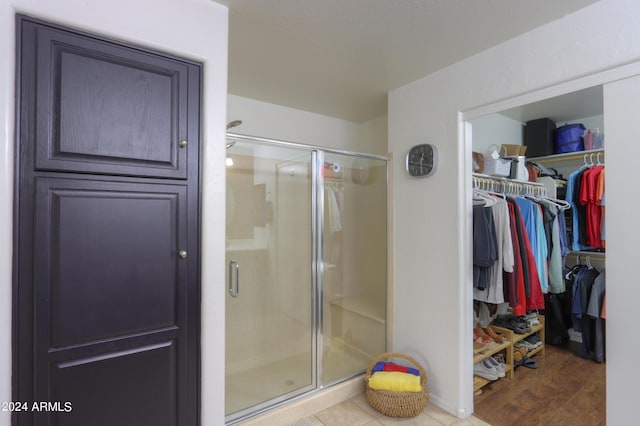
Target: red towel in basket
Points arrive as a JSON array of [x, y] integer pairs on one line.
[[390, 366]]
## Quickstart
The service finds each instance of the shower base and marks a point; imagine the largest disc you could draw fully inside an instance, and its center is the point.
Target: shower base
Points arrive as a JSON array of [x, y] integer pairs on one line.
[[253, 386]]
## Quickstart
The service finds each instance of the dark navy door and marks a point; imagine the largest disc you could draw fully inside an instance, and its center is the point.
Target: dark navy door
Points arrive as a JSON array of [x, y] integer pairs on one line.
[[107, 291]]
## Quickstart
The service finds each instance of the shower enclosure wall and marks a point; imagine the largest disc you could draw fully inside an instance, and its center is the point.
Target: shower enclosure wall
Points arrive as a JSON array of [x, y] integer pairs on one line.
[[306, 270]]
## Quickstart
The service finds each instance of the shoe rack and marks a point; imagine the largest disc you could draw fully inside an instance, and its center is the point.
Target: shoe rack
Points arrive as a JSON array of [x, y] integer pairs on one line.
[[506, 347], [515, 337], [491, 349]]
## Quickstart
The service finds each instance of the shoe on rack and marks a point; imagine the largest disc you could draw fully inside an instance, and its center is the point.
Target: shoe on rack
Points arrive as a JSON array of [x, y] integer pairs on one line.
[[501, 322], [534, 340], [529, 363], [525, 344], [512, 323], [532, 318], [519, 354], [492, 362], [481, 370], [523, 323], [517, 359], [479, 332], [478, 346], [492, 333], [481, 340]]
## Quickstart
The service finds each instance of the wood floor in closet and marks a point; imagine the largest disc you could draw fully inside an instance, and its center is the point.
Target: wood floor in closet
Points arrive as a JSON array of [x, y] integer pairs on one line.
[[565, 390]]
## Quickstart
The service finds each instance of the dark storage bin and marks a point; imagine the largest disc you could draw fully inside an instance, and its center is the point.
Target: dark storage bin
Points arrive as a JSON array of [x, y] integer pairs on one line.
[[538, 137]]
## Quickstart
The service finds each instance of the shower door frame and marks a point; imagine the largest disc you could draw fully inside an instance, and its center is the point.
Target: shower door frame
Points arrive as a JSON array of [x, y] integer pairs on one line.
[[317, 268]]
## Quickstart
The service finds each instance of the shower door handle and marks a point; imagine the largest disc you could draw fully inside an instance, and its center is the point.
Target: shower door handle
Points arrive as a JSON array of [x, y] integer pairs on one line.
[[234, 270]]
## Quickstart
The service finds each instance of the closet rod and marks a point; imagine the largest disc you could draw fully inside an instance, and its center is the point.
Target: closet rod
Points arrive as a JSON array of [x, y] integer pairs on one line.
[[596, 254], [580, 258]]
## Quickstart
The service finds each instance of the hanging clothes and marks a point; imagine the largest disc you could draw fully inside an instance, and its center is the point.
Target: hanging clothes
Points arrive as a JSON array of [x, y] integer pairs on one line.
[[504, 261], [562, 231], [518, 294], [585, 193], [578, 216], [556, 231], [532, 216], [524, 290], [588, 197], [513, 280], [532, 297], [600, 200], [485, 252], [517, 247], [595, 309], [335, 212], [553, 216], [587, 305]]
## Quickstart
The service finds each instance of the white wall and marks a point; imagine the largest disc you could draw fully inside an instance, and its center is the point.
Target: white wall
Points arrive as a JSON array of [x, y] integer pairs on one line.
[[196, 29], [433, 216], [622, 107], [273, 121], [495, 129], [373, 136]]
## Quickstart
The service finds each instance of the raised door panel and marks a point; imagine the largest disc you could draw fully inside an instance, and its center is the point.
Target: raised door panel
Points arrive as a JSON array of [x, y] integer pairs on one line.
[[106, 108], [136, 387], [110, 291], [107, 261]]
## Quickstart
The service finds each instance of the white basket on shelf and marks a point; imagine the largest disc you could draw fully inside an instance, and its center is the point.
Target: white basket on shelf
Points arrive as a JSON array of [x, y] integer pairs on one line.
[[497, 167], [495, 164]]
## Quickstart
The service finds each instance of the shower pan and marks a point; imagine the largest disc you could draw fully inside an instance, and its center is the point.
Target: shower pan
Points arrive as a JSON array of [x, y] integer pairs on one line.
[[306, 275]]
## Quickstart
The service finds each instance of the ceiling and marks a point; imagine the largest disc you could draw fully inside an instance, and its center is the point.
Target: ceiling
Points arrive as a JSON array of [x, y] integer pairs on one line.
[[341, 57]]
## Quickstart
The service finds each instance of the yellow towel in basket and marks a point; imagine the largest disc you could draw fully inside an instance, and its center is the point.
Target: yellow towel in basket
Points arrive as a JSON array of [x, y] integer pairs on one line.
[[395, 381]]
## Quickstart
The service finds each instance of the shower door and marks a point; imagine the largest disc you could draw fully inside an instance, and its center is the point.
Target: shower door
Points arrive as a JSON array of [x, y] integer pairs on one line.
[[353, 291], [306, 272], [270, 345]]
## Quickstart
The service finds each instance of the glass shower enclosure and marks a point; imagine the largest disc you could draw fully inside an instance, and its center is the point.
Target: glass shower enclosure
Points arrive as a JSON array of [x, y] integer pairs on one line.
[[306, 272]]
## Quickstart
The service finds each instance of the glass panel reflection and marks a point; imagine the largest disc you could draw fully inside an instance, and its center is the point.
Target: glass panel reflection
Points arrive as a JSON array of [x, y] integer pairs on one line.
[[355, 264], [269, 322]]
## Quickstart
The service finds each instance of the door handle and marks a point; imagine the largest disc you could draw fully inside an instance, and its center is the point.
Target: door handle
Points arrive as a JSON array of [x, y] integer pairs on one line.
[[234, 270]]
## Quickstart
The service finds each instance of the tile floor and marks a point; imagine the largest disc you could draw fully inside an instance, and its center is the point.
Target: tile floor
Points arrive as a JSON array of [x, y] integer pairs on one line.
[[357, 412]]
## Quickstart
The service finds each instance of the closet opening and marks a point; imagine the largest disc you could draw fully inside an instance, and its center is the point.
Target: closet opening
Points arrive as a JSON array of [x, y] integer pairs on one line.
[[539, 250]]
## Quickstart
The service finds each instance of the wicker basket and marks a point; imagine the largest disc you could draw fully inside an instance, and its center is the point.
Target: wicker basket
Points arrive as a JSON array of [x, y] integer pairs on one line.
[[397, 404]]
